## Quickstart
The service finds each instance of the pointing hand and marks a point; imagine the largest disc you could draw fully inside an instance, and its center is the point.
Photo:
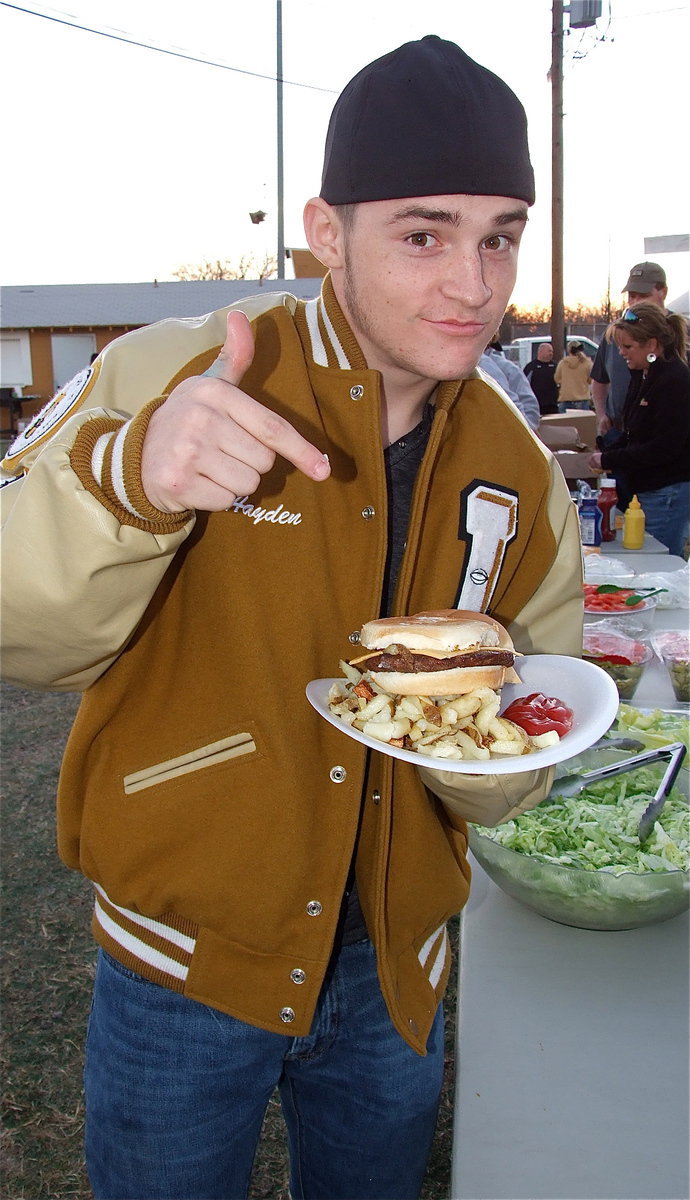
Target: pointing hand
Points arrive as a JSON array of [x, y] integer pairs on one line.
[[210, 442]]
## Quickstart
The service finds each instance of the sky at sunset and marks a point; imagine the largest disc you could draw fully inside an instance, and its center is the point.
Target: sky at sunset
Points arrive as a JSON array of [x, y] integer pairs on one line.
[[122, 162]]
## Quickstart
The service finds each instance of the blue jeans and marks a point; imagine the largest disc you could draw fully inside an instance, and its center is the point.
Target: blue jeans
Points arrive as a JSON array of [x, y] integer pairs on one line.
[[667, 515], [176, 1093]]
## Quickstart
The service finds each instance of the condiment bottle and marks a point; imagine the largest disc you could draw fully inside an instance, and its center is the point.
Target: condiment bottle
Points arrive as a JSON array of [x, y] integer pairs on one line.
[[607, 501], [633, 526], [590, 520]]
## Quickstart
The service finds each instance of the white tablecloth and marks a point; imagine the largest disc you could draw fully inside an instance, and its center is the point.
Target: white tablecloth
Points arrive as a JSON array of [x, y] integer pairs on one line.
[[572, 1045]]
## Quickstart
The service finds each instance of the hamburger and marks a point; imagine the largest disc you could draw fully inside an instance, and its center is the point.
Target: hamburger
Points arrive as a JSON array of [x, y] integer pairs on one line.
[[445, 653]]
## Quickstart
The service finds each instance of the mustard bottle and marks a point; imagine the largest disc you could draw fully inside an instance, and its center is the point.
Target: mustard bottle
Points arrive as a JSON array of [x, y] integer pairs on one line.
[[633, 526]]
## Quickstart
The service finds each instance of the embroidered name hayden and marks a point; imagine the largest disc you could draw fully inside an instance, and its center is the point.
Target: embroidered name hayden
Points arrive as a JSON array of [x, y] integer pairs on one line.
[[276, 516]]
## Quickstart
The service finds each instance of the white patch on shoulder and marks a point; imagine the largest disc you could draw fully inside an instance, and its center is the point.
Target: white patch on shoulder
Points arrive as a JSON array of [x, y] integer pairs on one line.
[[53, 413]]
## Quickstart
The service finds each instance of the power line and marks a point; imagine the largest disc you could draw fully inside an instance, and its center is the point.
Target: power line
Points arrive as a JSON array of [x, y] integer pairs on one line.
[[131, 41]]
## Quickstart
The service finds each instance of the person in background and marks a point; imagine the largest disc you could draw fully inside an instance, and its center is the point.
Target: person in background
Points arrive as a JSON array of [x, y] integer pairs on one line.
[[221, 506], [610, 375], [541, 372], [573, 374], [653, 459], [512, 380]]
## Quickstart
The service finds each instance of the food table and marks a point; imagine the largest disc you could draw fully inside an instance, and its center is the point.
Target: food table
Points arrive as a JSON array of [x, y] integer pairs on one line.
[[571, 1045], [655, 689]]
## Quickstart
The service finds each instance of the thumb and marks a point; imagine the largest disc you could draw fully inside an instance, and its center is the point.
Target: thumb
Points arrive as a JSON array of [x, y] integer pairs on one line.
[[237, 353]]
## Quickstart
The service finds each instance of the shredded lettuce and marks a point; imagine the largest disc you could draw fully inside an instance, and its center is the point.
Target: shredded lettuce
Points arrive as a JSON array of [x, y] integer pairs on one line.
[[596, 830]]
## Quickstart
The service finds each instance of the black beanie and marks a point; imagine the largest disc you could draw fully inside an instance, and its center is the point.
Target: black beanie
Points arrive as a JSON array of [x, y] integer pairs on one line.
[[426, 120]]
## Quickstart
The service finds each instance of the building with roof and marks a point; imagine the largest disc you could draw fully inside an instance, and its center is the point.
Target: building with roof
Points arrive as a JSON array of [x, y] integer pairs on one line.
[[49, 332]]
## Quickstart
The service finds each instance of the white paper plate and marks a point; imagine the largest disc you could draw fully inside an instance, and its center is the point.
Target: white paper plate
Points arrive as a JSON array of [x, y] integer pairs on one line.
[[584, 687]]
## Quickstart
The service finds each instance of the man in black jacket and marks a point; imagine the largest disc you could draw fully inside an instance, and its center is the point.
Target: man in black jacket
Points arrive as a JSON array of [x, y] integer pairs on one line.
[[541, 372]]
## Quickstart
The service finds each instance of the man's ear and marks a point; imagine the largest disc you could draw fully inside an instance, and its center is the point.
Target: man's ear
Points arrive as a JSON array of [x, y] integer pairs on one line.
[[325, 233]]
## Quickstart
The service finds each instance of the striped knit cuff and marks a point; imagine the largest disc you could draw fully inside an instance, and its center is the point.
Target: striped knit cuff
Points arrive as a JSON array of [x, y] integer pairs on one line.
[[107, 458]]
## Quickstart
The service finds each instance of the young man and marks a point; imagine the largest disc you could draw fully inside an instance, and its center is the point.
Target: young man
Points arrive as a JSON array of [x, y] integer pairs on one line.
[[224, 504]]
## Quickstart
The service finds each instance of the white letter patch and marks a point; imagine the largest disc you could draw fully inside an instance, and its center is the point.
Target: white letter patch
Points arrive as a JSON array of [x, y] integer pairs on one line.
[[488, 523]]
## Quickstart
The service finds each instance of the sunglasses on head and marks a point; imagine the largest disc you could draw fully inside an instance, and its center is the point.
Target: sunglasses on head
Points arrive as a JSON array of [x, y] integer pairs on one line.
[[629, 315]]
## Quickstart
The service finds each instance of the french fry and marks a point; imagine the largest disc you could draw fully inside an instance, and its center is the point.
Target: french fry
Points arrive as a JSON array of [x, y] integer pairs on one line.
[[486, 714], [466, 705], [506, 731], [364, 690], [380, 703], [458, 727], [470, 747], [504, 747], [385, 731], [432, 714], [351, 673], [410, 706], [446, 750], [542, 740]]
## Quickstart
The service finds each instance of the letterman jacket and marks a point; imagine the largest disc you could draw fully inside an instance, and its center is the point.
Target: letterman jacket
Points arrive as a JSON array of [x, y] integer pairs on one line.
[[213, 809]]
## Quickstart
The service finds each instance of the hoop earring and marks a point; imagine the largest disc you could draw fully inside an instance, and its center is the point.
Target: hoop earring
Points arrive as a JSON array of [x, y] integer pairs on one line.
[[651, 357]]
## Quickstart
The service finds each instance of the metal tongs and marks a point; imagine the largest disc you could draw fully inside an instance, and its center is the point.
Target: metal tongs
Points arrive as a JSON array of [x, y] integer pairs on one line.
[[674, 754]]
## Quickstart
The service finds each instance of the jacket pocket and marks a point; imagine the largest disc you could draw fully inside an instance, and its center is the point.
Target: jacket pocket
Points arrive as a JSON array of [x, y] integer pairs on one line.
[[205, 756]]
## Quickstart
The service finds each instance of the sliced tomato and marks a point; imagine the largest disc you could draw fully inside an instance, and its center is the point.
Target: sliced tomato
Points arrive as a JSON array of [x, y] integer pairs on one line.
[[609, 600], [613, 648], [538, 713]]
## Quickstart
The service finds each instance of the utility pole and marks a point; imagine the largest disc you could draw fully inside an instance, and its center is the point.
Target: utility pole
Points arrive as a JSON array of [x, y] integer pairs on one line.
[[279, 85], [557, 318], [583, 14]]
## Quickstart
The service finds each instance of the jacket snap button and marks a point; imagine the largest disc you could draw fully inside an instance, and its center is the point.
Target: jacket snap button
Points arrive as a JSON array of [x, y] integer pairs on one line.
[[376, 797], [298, 975], [354, 637], [287, 1015], [413, 1025], [338, 774], [368, 512], [314, 907], [356, 391]]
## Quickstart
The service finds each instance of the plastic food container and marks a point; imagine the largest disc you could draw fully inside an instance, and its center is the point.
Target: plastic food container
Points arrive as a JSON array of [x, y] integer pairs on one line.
[[586, 899], [672, 646], [570, 895], [635, 620], [622, 657], [599, 568]]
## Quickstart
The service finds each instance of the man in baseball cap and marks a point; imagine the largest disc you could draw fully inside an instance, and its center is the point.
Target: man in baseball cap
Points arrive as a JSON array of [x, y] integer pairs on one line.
[[610, 375], [646, 281]]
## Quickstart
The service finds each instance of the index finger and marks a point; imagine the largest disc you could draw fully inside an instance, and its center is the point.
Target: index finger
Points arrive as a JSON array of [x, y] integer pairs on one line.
[[279, 435]]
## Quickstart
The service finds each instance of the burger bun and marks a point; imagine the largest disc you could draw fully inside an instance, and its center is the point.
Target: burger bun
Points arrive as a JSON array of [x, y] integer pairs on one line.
[[457, 681]]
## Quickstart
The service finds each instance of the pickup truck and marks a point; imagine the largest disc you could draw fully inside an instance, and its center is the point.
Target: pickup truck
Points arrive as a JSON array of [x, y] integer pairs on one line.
[[523, 350]]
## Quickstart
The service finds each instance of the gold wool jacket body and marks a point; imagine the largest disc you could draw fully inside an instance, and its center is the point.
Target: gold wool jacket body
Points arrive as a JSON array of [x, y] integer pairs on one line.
[[215, 812]]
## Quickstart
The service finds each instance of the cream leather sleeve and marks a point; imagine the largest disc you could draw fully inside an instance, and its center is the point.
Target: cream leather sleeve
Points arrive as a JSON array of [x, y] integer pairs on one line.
[[82, 550], [76, 581], [550, 623], [488, 799]]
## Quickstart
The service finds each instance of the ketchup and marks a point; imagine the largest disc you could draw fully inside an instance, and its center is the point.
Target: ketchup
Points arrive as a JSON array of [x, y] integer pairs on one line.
[[538, 713], [606, 502]]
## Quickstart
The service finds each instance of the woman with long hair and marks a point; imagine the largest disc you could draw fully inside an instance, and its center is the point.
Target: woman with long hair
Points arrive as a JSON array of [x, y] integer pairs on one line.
[[652, 460]]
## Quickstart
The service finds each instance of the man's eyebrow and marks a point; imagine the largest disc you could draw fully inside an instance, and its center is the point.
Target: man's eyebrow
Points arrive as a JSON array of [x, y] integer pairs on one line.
[[446, 216], [514, 214], [417, 212]]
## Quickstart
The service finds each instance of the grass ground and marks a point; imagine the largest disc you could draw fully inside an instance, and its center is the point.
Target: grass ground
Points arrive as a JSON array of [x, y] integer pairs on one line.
[[47, 969]]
